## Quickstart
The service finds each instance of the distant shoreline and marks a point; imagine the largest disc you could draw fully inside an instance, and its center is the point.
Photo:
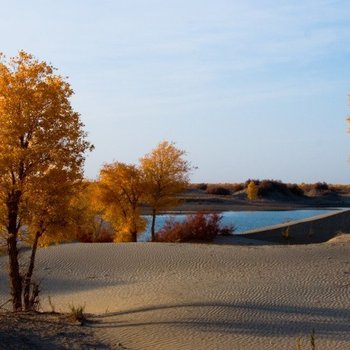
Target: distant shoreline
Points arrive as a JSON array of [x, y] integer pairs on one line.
[[199, 201]]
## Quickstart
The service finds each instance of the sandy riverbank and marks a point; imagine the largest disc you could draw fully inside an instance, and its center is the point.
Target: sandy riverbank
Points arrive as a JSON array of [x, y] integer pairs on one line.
[[201, 296], [196, 200]]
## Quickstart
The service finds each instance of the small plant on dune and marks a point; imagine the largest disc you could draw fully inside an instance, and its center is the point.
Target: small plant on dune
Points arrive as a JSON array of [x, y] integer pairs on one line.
[[312, 342], [311, 232], [76, 313], [52, 306], [33, 297], [286, 234], [298, 345], [198, 227]]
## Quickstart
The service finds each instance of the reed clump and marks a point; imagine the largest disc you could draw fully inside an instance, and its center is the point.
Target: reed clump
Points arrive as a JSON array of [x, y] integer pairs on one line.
[[77, 313]]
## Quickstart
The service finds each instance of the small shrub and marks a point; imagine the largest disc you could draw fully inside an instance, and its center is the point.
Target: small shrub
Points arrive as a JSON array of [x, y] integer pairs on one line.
[[236, 187], [77, 313], [218, 190], [312, 342], [257, 182], [33, 302], [341, 189], [198, 227], [267, 187], [311, 232], [104, 236], [201, 186], [286, 234], [298, 345], [213, 188], [315, 188], [295, 189], [306, 187], [321, 186], [52, 306]]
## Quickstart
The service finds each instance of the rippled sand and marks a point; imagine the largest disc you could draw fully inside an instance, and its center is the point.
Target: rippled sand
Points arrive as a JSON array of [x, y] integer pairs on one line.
[[201, 296]]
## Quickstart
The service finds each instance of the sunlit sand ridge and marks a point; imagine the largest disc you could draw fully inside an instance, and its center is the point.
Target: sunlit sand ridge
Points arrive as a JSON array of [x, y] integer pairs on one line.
[[199, 296]]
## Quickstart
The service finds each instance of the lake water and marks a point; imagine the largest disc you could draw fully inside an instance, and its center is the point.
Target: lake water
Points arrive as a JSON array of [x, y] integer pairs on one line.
[[245, 220]]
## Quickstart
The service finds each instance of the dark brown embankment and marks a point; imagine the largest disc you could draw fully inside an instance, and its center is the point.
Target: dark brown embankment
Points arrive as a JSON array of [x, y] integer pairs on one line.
[[312, 230]]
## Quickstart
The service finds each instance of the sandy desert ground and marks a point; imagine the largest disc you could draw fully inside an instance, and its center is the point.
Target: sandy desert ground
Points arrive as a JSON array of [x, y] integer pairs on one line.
[[202, 296]]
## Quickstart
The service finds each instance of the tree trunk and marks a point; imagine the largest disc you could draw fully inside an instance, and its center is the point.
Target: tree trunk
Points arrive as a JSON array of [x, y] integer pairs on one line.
[[153, 234], [133, 236], [28, 277], [15, 275]]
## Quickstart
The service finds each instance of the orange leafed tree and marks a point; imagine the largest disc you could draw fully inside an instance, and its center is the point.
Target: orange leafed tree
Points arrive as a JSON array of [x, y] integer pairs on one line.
[[47, 218], [42, 147], [87, 224], [120, 193], [166, 174]]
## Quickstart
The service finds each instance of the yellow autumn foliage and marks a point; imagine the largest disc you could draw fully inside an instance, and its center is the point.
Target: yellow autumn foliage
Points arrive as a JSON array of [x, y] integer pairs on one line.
[[166, 174], [120, 191], [42, 146], [252, 191]]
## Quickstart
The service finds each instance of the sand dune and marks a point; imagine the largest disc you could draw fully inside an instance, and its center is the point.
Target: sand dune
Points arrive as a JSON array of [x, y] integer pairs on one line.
[[201, 296]]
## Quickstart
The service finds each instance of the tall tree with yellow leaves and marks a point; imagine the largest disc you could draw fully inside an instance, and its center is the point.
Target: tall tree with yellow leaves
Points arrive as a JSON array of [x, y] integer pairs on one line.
[[86, 214], [166, 174], [120, 193], [40, 134], [252, 191], [47, 220]]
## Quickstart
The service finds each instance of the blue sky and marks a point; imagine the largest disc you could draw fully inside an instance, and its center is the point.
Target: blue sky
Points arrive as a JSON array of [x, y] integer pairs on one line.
[[250, 89]]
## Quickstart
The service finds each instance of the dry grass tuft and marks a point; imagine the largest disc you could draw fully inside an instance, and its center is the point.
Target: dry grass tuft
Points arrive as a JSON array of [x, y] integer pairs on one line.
[[77, 314]]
